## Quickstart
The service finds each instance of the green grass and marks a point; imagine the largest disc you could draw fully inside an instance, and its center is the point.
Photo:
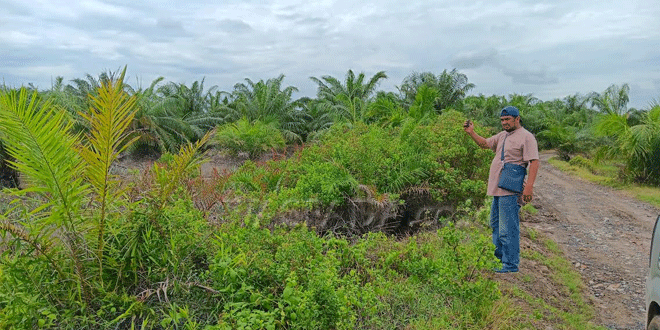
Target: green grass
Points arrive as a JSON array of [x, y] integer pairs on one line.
[[571, 281], [527, 210], [650, 195], [601, 175], [532, 233], [568, 309]]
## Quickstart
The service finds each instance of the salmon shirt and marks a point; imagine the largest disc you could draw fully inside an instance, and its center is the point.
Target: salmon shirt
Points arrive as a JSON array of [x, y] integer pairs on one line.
[[519, 148]]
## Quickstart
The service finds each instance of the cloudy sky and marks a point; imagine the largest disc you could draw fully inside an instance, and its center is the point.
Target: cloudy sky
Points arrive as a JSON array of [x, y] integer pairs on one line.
[[551, 48]]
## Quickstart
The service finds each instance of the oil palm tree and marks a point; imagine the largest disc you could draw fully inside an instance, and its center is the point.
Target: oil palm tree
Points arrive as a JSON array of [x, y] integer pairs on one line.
[[613, 100], [172, 115], [484, 110], [76, 96], [386, 109], [268, 102], [316, 117], [350, 99], [193, 104], [638, 145], [577, 111], [562, 124], [62, 170], [425, 103], [452, 86], [58, 256], [157, 127]]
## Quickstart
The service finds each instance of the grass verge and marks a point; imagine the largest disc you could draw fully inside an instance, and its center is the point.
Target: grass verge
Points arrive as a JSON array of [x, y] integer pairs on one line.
[[548, 292]]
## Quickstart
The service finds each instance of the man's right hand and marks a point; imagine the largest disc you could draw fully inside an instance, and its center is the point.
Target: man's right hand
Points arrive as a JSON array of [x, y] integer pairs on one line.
[[468, 126]]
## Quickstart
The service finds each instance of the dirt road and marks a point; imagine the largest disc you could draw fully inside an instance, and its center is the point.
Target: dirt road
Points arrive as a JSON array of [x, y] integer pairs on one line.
[[605, 234]]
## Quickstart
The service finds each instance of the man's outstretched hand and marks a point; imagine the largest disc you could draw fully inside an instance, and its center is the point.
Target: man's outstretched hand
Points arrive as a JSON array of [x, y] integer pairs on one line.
[[468, 126]]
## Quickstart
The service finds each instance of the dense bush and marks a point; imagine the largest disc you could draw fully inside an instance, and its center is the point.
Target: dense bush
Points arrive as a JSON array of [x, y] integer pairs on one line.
[[362, 172], [294, 279], [69, 256], [169, 273]]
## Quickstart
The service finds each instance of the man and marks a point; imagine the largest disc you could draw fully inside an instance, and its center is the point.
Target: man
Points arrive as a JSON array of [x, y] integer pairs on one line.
[[520, 147]]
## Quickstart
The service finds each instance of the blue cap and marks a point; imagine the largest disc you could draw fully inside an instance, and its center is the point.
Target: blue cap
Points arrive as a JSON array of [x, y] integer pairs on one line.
[[510, 111]]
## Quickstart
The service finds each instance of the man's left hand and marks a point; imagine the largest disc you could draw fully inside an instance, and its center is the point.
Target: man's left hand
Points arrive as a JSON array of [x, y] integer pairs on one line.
[[528, 194]]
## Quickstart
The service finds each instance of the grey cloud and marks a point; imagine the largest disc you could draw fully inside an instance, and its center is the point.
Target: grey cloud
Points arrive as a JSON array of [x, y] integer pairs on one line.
[[302, 19], [501, 45], [312, 21], [11, 80], [289, 17], [164, 30], [37, 56], [95, 23], [169, 24], [13, 8], [202, 71], [234, 26], [529, 76], [303, 26], [13, 59], [291, 7], [518, 72], [474, 59], [125, 29]]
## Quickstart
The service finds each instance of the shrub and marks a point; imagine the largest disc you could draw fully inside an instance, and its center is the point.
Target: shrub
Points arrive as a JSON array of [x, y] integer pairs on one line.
[[582, 162], [293, 279], [374, 178], [439, 155], [74, 260], [144, 250], [324, 182], [254, 138]]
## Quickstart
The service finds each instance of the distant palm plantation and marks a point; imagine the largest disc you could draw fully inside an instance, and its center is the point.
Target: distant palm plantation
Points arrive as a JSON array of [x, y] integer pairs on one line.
[[598, 125], [171, 114]]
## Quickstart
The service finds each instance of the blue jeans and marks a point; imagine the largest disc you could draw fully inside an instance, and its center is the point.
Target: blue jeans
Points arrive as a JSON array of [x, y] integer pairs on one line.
[[505, 222]]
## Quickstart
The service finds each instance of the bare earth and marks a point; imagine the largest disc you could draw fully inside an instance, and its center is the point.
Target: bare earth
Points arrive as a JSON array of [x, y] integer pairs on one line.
[[605, 234]]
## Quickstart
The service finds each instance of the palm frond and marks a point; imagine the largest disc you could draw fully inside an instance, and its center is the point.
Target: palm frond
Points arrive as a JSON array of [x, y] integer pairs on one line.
[[109, 118], [183, 162], [38, 138]]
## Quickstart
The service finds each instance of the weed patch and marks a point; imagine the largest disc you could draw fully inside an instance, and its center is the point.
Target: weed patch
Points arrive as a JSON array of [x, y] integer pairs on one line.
[[548, 291]]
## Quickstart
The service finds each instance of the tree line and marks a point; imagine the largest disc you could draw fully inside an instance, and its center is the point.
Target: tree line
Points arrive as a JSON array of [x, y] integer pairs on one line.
[[260, 116]]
